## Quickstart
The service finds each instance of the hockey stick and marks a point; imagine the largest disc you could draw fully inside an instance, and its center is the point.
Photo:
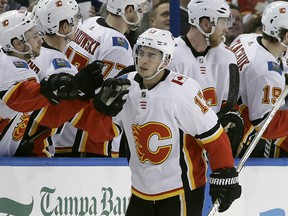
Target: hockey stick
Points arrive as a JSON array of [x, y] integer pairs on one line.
[[126, 70], [254, 142], [29, 140], [233, 91]]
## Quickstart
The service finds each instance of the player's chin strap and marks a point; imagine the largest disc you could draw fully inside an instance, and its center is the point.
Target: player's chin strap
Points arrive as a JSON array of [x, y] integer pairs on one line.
[[30, 52], [67, 35], [159, 69], [133, 25], [205, 34], [164, 64]]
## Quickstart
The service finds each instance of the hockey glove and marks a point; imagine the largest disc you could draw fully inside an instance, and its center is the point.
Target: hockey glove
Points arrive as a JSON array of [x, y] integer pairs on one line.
[[224, 185], [112, 96], [57, 87], [89, 79], [233, 124]]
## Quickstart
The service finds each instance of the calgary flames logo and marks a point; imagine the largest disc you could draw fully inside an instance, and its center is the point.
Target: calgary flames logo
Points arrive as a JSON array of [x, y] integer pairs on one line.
[[282, 10], [143, 140], [59, 3], [19, 130], [5, 23]]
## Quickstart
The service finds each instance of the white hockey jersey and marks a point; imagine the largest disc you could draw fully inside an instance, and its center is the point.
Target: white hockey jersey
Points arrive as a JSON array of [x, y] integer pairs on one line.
[[20, 90], [261, 76], [13, 124], [156, 121], [13, 70], [94, 40], [51, 61], [210, 69]]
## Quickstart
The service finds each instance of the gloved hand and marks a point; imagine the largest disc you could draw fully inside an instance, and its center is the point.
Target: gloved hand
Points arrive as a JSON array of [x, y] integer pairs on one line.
[[112, 96], [89, 79], [233, 124], [57, 87], [224, 185]]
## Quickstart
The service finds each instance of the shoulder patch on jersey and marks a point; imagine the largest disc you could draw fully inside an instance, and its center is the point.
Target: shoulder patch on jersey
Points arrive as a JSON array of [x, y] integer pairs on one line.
[[21, 64], [120, 41], [60, 63], [179, 79], [273, 66]]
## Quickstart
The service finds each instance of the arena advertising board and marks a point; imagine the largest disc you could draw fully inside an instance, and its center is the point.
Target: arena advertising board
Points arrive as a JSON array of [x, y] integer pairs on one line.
[[67, 187]]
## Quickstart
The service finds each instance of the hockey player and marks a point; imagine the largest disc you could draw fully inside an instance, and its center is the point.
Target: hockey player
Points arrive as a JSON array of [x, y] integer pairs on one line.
[[262, 80], [202, 55], [57, 21], [162, 108], [206, 59], [102, 39], [23, 98]]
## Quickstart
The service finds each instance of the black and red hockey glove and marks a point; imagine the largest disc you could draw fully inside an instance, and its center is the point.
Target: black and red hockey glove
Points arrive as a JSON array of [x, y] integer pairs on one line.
[[112, 96], [57, 87], [233, 124], [224, 185], [89, 79]]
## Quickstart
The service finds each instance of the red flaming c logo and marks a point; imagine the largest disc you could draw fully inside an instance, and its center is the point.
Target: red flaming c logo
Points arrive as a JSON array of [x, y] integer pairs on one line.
[[142, 136], [20, 129], [282, 10], [5, 23], [59, 3]]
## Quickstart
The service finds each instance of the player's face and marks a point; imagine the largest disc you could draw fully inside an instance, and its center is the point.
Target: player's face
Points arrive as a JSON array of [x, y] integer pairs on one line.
[[161, 19], [221, 29], [35, 40], [148, 61], [237, 27]]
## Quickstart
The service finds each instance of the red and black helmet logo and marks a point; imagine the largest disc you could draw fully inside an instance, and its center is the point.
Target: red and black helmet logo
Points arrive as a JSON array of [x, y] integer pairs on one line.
[[282, 10], [59, 3], [5, 23]]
